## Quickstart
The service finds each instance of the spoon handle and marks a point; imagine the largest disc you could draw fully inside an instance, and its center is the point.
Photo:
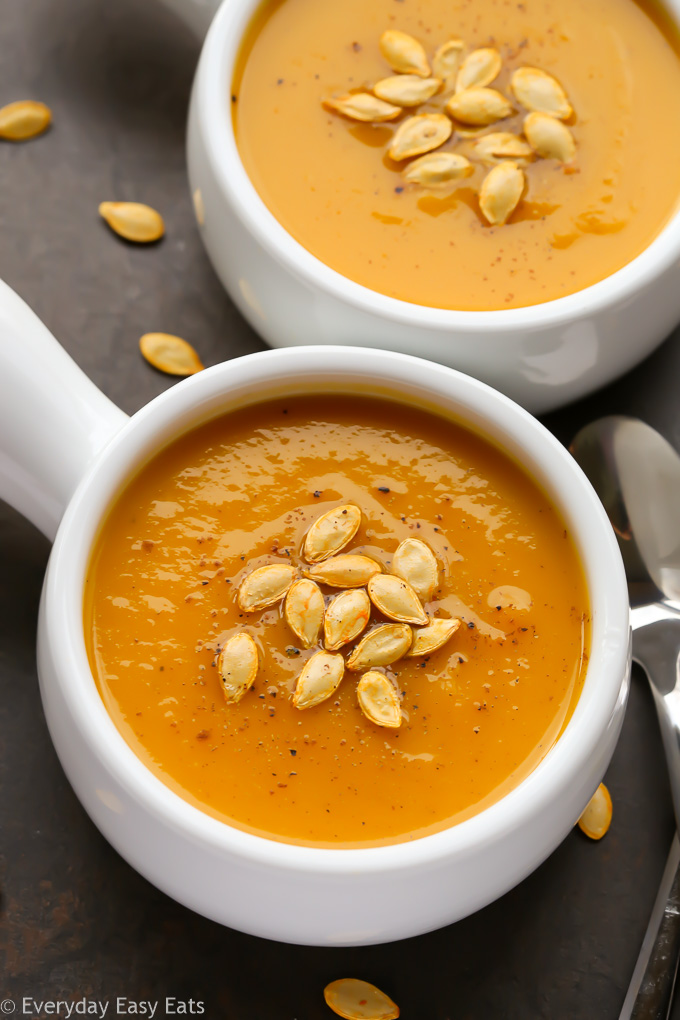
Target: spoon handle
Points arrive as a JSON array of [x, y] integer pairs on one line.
[[656, 647], [650, 994]]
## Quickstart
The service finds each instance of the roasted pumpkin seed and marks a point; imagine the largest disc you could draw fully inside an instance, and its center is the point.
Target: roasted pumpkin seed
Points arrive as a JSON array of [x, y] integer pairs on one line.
[[362, 106], [331, 532], [346, 616], [415, 562], [353, 999], [538, 91], [478, 69], [381, 646], [478, 106], [407, 89], [170, 354], [133, 221], [265, 586], [418, 134], [396, 599], [349, 570], [549, 137], [319, 678], [304, 611], [403, 53], [23, 120], [446, 61], [428, 639], [597, 817], [237, 666], [437, 168], [500, 192], [378, 700], [502, 145]]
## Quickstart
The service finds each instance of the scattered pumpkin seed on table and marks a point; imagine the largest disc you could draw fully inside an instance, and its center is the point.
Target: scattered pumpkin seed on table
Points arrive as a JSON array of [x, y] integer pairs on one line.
[[23, 120], [133, 221], [353, 999], [597, 817], [170, 354]]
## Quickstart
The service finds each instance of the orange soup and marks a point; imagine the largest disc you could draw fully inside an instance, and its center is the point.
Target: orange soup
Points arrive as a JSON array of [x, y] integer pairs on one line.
[[329, 180], [242, 492]]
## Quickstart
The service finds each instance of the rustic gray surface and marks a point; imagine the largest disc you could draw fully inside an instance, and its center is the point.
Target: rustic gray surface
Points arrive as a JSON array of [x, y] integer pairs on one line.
[[75, 920]]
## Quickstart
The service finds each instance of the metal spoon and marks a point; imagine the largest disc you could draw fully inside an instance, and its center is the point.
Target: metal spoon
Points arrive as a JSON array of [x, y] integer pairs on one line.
[[636, 474]]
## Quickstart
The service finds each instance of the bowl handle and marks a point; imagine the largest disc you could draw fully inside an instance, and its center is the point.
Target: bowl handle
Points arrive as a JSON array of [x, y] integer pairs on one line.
[[53, 420], [196, 13]]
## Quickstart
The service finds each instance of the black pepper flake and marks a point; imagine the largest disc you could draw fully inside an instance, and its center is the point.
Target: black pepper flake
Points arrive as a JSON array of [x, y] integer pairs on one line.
[[204, 582], [471, 625], [383, 488], [279, 81], [356, 47], [291, 651], [399, 188], [234, 99], [293, 751], [316, 494]]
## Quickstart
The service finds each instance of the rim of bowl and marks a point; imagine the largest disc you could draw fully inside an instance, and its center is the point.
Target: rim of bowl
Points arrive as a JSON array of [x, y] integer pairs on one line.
[[474, 404], [212, 89]]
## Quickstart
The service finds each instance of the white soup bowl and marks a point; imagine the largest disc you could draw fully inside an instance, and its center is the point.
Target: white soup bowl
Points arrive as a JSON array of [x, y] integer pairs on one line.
[[65, 453], [542, 356]]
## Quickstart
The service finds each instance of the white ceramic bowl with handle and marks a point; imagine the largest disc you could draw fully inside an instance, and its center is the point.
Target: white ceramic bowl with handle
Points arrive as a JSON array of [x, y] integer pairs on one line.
[[65, 453], [542, 356]]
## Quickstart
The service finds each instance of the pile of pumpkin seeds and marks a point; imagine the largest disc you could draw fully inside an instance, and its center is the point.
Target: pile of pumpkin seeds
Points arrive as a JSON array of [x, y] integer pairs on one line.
[[470, 109], [397, 595]]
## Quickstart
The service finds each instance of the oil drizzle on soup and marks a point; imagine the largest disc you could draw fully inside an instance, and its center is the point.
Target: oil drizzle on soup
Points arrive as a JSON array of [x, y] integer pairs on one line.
[[242, 491]]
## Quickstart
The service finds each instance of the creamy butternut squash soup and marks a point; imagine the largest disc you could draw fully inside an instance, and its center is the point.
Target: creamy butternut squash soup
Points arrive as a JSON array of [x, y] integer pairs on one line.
[[336, 621], [463, 154]]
